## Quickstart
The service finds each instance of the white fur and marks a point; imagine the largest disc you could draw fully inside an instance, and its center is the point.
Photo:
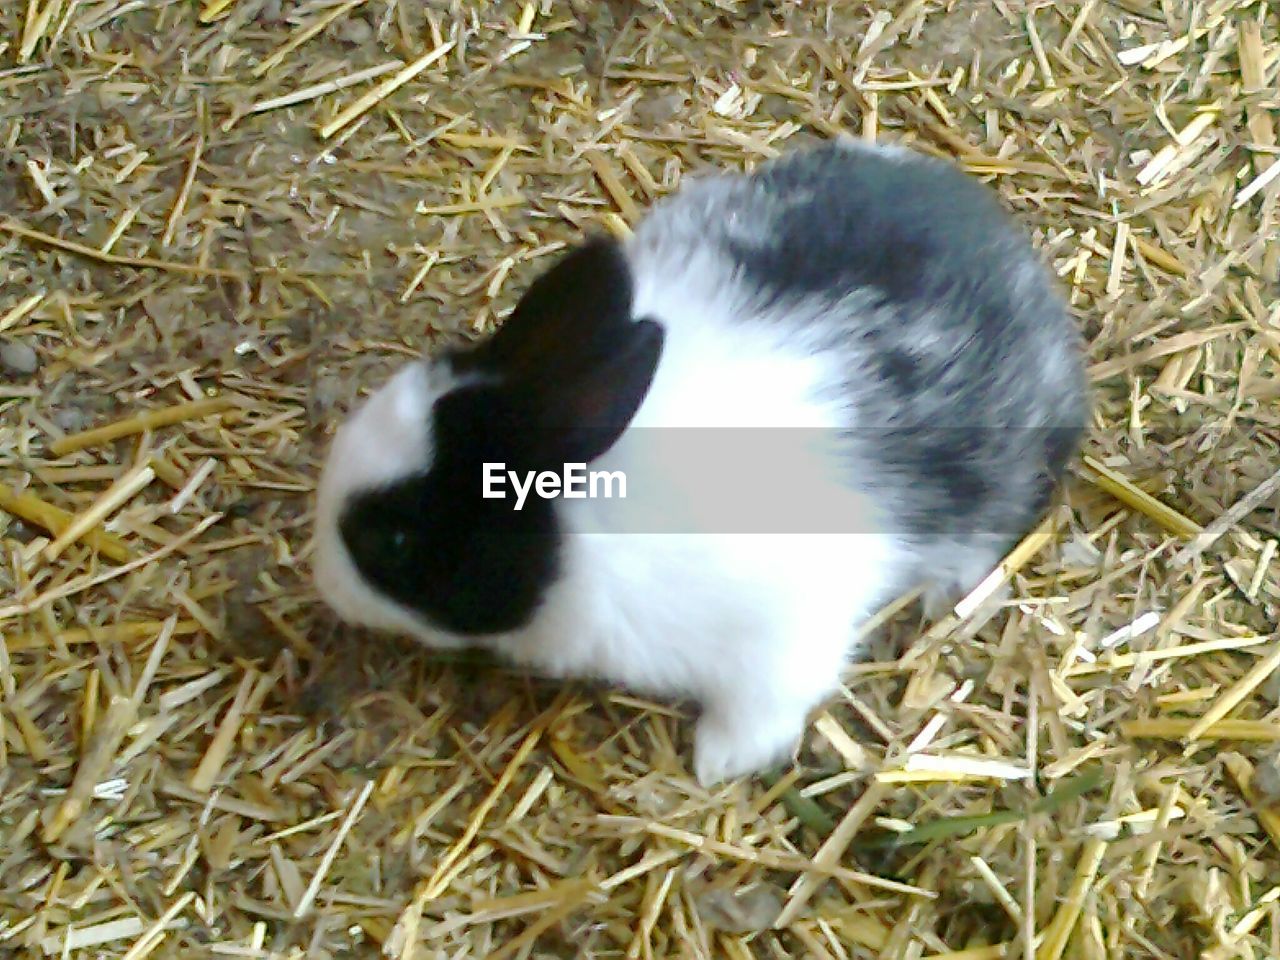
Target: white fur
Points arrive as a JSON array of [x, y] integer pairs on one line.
[[755, 627]]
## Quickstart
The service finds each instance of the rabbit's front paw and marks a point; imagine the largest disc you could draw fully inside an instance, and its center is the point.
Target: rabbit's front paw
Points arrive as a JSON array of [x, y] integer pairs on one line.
[[727, 746]]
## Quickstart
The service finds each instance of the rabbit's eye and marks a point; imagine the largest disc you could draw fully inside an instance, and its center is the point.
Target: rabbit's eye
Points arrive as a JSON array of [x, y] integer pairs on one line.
[[399, 539]]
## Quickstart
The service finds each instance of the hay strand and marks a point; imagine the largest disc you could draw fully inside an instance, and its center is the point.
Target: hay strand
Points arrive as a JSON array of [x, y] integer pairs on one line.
[[142, 423], [384, 89]]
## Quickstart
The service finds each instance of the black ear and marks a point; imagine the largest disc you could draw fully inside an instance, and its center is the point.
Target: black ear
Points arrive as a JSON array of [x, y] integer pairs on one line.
[[586, 292], [580, 412]]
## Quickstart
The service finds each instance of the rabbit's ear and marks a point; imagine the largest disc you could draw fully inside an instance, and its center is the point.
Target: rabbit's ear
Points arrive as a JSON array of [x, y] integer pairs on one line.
[[571, 357], [579, 412], [586, 293]]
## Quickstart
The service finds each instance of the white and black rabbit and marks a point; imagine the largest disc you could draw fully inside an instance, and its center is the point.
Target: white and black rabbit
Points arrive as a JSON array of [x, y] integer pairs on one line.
[[868, 295]]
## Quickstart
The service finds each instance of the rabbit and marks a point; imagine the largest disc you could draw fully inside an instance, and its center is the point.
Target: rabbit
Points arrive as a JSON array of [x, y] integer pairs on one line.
[[871, 310]]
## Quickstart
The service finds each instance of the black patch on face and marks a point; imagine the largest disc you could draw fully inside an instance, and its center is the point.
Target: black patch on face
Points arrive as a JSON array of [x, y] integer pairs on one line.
[[434, 544]]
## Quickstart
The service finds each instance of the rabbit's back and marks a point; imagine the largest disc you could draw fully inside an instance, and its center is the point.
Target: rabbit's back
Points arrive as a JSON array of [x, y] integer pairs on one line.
[[960, 373]]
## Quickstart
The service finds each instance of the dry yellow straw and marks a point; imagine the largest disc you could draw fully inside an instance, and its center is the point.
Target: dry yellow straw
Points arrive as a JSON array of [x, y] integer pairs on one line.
[[384, 90], [313, 888], [1233, 515], [1064, 921], [32, 509], [81, 938], [180, 204], [213, 9], [1122, 661], [153, 420], [215, 756], [996, 951], [15, 315], [315, 91], [1140, 500], [156, 932], [1174, 729], [998, 889], [1236, 693], [613, 185], [34, 28], [830, 852], [576, 893], [17, 229], [1018, 557], [105, 740], [1241, 772], [115, 496], [113, 632], [404, 934], [304, 35]]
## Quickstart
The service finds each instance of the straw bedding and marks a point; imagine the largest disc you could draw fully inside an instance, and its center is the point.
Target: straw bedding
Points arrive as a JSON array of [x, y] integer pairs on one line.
[[220, 221]]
